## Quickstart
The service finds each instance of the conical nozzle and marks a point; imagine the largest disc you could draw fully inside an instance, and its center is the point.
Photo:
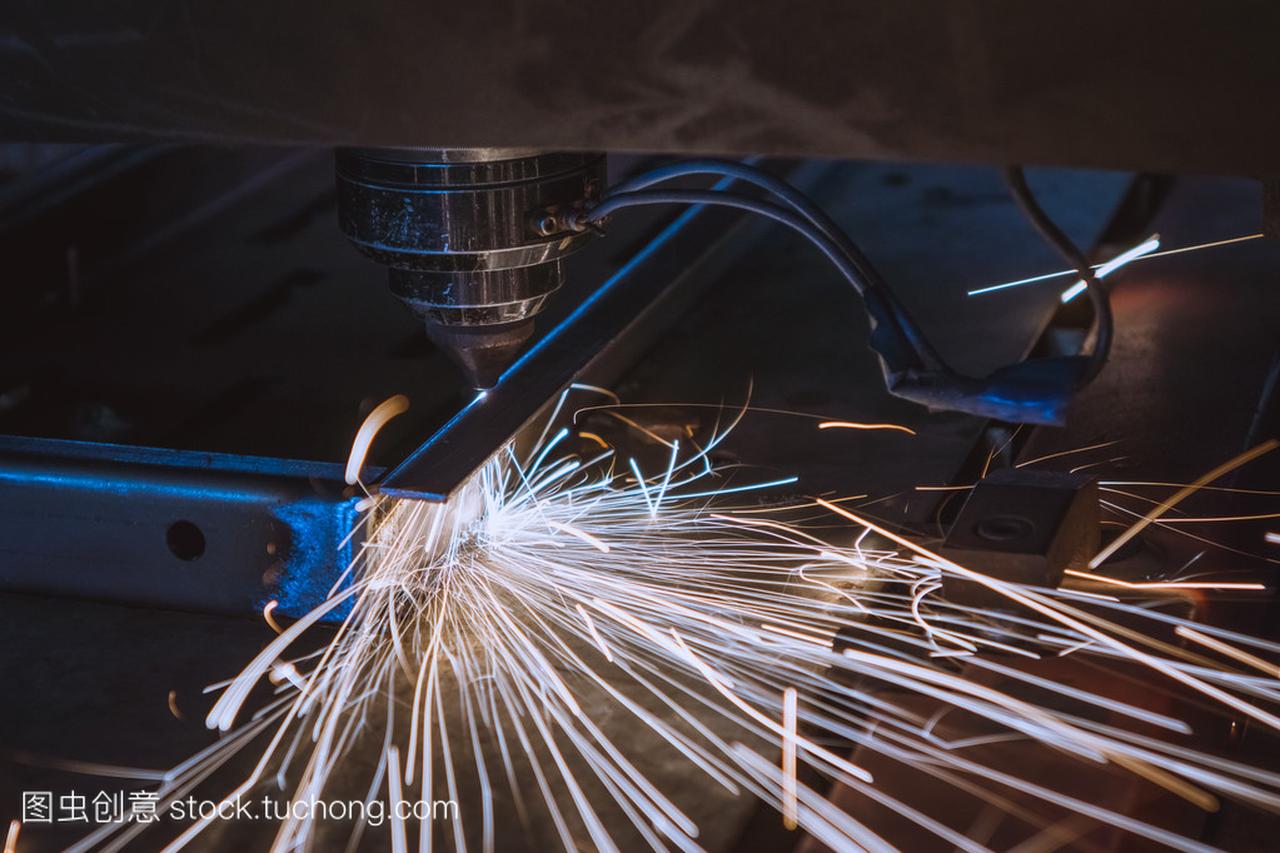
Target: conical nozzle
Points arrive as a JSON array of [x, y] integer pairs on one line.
[[483, 352]]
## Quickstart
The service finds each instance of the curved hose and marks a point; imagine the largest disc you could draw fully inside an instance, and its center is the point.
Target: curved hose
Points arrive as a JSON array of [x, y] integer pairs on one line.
[[815, 215], [1033, 391], [889, 337], [1054, 236]]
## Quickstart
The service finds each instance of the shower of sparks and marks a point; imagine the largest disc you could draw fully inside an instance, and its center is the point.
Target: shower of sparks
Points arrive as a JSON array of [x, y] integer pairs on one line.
[[1145, 256], [499, 644]]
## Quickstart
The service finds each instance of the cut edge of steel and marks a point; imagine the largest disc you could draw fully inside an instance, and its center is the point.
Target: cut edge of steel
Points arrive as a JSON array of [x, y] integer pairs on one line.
[[595, 344]]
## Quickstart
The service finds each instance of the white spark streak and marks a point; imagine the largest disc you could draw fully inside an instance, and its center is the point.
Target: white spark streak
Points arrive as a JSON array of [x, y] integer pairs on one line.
[[1138, 251], [1063, 273], [789, 739]]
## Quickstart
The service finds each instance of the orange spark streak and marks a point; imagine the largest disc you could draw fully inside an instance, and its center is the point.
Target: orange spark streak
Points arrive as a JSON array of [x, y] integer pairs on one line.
[[1070, 452], [789, 810], [1165, 584], [591, 436], [856, 425], [1229, 650], [1172, 500], [266, 614]]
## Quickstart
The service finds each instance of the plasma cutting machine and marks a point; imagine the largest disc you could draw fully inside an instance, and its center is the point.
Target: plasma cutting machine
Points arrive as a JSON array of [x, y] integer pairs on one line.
[[187, 342], [462, 168]]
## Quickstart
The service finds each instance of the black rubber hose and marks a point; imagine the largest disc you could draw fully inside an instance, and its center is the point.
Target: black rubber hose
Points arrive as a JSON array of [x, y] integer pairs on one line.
[[1054, 236]]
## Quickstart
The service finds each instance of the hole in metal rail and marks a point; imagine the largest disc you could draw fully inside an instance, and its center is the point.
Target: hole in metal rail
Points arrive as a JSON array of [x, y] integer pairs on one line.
[[185, 540]]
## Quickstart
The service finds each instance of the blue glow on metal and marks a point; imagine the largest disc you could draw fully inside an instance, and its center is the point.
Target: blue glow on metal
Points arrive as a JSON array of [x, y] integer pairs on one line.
[[188, 459], [1040, 409], [306, 499], [318, 555], [128, 488]]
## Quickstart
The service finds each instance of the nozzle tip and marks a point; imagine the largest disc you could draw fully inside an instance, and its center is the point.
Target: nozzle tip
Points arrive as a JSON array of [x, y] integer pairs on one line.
[[483, 352]]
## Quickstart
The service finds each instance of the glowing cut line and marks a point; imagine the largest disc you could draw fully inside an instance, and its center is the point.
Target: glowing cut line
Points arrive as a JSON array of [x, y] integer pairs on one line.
[[1062, 273], [11, 840]]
